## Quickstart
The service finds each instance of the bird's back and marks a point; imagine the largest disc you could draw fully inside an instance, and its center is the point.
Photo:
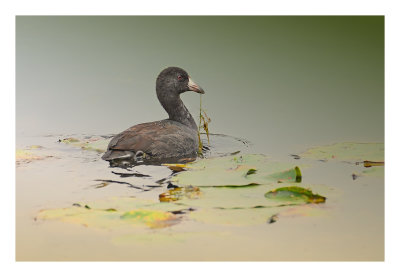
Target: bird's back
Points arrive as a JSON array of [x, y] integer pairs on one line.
[[157, 140]]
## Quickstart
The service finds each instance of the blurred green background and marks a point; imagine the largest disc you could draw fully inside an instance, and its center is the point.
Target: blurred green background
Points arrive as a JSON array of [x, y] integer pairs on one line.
[[283, 83]]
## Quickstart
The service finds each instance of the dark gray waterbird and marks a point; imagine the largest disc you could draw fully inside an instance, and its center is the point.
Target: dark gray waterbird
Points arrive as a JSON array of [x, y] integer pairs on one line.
[[169, 139]]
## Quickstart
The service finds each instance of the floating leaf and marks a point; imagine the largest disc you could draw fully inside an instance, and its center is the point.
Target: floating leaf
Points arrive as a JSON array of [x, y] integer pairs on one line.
[[97, 144], [273, 219], [295, 194], [378, 172], [176, 167], [227, 198], [251, 171], [232, 171], [304, 211], [70, 140], [370, 163], [246, 197], [291, 175], [34, 147], [102, 185], [134, 174], [125, 211], [178, 193], [236, 217], [26, 156], [153, 219], [347, 151]]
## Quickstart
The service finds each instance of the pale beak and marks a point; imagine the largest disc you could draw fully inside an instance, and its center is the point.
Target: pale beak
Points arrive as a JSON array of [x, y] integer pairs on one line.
[[194, 87]]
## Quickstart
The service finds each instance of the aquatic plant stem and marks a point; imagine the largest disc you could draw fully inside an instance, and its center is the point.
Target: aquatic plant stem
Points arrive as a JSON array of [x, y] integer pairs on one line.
[[200, 151]]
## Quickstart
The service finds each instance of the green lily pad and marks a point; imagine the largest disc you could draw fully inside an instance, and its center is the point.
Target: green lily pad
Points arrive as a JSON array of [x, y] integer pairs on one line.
[[251, 171], [242, 206], [347, 151], [294, 194], [245, 197], [238, 170]]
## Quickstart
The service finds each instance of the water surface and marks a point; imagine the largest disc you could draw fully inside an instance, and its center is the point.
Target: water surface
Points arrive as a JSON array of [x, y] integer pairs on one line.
[[350, 227]]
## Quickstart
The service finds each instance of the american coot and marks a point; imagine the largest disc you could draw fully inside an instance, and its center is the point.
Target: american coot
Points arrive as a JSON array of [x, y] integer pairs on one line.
[[173, 139]]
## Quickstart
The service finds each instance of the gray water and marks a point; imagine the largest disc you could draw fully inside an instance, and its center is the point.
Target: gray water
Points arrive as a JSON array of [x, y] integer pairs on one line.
[[282, 83]]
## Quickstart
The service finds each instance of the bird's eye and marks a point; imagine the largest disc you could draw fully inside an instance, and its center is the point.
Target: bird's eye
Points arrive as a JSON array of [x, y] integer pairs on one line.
[[180, 77]]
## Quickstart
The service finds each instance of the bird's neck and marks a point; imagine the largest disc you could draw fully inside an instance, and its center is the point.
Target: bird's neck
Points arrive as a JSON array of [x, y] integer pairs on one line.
[[176, 110]]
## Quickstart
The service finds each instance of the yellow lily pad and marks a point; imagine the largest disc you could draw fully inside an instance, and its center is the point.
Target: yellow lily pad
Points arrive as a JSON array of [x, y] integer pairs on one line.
[[176, 167], [26, 156], [151, 218], [179, 193], [115, 213]]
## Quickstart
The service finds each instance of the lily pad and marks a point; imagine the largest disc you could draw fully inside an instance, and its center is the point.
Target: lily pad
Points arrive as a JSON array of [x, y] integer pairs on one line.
[[227, 198], [26, 156], [176, 167], [294, 194], [347, 151], [251, 171], [249, 206], [116, 213], [234, 171], [236, 217], [371, 163], [34, 147], [246, 197], [151, 218], [70, 140], [178, 193], [97, 144], [310, 210], [378, 172]]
